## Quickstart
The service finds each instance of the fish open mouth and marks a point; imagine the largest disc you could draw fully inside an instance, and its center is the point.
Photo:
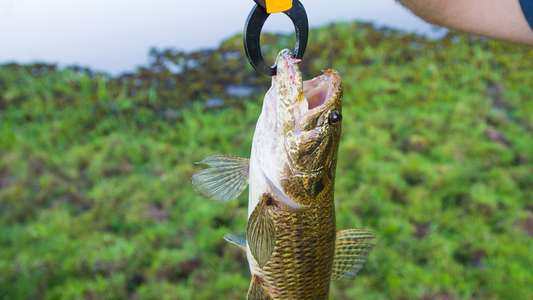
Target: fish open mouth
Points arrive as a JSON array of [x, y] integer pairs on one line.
[[318, 93], [320, 89]]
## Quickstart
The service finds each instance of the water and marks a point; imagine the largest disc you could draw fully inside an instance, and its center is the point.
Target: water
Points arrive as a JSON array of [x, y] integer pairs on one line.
[[115, 36]]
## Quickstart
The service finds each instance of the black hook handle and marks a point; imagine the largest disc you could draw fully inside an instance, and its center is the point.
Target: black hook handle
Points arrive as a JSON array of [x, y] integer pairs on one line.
[[252, 33]]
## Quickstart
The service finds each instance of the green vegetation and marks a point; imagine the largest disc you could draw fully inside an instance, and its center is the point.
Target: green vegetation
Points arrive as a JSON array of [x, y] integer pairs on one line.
[[436, 158]]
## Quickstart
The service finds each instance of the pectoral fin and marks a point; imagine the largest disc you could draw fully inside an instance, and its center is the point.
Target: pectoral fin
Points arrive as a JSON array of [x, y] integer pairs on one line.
[[225, 181], [351, 251], [261, 232], [257, 290], [238, 239]]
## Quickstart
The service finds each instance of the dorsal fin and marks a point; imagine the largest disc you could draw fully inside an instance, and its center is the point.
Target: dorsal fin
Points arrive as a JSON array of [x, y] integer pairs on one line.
[[351, 251], [238, 239], [225, 181], [261, 232]]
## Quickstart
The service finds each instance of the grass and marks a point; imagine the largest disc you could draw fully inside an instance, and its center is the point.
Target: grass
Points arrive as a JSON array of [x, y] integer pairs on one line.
[[436, 158]]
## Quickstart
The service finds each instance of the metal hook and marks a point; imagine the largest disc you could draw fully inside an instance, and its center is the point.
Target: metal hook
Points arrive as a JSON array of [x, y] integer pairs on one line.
[[252, 33]]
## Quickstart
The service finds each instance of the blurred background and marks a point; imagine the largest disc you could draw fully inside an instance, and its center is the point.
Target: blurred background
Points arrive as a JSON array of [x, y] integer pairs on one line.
[[104, 107], [114, 36]]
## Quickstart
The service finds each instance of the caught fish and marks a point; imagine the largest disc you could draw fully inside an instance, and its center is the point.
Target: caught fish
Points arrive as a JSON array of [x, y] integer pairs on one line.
[[291, 243]]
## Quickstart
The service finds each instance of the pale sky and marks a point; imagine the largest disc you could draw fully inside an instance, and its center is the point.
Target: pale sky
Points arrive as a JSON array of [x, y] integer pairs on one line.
[[115, 35]]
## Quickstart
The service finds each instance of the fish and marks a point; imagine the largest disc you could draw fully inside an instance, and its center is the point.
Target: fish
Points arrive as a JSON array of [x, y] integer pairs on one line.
[[291, 242]]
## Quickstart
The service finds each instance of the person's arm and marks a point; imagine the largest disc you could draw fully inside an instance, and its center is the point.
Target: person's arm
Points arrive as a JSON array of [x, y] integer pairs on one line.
[[499, 19]]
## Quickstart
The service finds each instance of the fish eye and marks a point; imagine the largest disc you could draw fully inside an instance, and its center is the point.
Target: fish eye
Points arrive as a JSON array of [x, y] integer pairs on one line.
[[335, 117]]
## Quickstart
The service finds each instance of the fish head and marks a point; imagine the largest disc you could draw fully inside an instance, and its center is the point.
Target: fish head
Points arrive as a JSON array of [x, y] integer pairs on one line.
[[297, 135], [309, 117]]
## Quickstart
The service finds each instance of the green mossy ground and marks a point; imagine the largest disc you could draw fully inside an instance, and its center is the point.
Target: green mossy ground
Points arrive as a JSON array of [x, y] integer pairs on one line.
[[436, 158]]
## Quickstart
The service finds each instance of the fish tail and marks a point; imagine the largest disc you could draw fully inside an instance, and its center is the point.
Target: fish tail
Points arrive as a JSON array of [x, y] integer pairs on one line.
[[258, 290]]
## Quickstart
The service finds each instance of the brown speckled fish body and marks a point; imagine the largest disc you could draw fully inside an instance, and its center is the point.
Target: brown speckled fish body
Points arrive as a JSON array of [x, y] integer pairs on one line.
[[300, 266]]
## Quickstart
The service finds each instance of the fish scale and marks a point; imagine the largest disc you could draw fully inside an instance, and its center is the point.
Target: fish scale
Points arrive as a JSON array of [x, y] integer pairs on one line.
[[308, 260]]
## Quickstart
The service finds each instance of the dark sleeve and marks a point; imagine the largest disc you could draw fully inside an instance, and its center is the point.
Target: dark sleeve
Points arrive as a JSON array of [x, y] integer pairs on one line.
[[527, 8]]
